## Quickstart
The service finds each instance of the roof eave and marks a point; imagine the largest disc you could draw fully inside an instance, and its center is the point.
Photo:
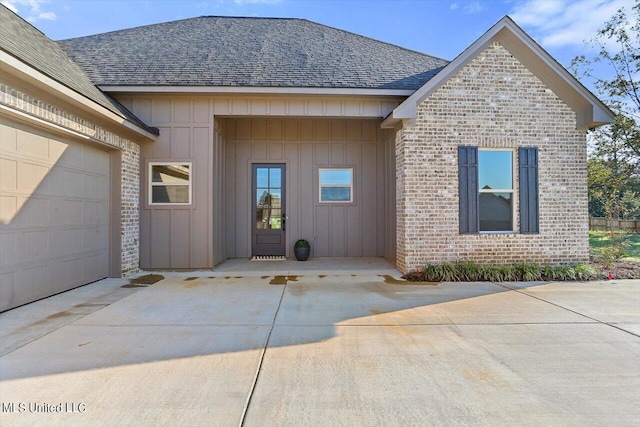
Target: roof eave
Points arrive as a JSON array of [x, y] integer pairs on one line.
[[255, 90], [590, 111], [17, 68]]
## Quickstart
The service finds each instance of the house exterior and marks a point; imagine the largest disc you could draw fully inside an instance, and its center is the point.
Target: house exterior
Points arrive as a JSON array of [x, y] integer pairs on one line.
[[179, 145]]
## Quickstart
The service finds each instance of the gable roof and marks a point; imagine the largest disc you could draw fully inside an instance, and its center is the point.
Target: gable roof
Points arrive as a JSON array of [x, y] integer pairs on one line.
[[248, 52], [590, 111], [22, 41]]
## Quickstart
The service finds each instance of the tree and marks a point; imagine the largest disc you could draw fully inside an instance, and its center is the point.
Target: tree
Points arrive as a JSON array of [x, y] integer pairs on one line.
[[614, 160]]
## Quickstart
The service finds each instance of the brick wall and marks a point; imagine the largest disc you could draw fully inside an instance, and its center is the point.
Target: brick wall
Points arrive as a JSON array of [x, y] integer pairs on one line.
[[130, 169], [493, 102]]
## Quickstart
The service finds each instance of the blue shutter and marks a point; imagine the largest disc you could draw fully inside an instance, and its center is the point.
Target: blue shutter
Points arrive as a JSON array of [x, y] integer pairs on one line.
[[468, 188], [528, 173]]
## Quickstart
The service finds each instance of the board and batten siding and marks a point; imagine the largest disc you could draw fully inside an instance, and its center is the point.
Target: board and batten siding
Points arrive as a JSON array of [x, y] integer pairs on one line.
[[334, 229], [178, 236], [216, 135]]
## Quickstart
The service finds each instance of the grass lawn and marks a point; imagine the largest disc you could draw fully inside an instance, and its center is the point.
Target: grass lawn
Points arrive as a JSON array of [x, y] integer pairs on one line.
[[631, 241]]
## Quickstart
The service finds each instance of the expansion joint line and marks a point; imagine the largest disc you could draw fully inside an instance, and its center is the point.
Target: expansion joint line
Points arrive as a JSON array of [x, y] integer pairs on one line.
[[261, 360], [568, 309]]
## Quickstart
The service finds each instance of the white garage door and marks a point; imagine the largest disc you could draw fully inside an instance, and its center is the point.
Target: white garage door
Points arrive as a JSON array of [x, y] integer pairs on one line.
[[54, 229]]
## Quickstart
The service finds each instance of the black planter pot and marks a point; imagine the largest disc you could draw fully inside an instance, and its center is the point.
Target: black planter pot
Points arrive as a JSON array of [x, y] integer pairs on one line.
[[302, 254]]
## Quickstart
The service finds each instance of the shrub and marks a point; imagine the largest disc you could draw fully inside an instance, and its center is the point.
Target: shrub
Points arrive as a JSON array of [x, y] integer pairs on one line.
[[469, 271]]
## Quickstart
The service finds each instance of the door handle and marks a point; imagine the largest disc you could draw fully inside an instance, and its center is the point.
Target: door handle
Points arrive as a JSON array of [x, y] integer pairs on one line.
[[284, 222]]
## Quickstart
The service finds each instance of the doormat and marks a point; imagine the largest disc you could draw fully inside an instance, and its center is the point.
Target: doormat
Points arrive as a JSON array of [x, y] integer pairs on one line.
[[268, 258]]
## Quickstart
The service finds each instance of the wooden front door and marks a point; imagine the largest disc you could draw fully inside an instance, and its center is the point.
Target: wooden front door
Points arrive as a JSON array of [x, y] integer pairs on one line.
[[268, 207]]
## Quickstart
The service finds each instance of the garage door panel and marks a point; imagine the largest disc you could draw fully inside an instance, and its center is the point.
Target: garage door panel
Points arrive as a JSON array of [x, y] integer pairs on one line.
[[8, 174], [67, 241], [33, 145], [34, 212], [33, 245], [66, 212], [54, 207], [31, 178], [28, 278], [64, 182], [95, 162], [68, 273], [93, 185], [94, 213], [8, 288], [9, 245], [8, 210], [95, 266], [93, 238]]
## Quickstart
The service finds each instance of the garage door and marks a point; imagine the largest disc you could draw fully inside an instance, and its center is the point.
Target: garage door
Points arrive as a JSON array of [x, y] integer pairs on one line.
[[54, 228]]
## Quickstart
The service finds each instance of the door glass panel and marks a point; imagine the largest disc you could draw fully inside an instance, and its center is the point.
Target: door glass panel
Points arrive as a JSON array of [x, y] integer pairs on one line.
[[263, 197], [275, 220], [275, 178], [276, 198], [269, 198], [262, 177]]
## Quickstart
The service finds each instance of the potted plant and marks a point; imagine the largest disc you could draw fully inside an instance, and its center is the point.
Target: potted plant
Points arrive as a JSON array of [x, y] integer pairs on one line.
[[302, 249]]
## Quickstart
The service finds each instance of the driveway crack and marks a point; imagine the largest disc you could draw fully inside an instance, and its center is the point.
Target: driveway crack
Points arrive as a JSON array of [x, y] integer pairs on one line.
[[565, 308], [261, 360]]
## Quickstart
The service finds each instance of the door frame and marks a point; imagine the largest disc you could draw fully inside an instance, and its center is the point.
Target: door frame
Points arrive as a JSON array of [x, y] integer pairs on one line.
[[251, 210]]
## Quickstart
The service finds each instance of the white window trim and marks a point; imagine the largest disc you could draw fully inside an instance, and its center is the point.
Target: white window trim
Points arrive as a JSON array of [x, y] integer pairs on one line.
[[350, 186], [499, 190], [168, 184]]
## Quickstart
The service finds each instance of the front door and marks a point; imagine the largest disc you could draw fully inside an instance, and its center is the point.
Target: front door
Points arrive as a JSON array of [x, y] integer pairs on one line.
[[269, 219]]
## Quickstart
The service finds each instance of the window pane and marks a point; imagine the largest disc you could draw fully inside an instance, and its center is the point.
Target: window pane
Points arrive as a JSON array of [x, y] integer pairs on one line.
[[335, 177], [262, 177], [170, 194], [335, 194], [275, 220], [494, 170], [495, 212], [275, 178], [170, 173], [276, 198], [263, 197]]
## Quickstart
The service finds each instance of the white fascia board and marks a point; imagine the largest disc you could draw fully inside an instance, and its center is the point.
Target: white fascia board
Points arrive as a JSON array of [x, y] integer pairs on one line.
[[601, 114], [244, 90], [20, 68]]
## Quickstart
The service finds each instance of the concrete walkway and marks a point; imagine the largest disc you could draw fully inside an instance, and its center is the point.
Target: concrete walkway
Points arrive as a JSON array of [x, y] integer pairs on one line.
[[228, 349]]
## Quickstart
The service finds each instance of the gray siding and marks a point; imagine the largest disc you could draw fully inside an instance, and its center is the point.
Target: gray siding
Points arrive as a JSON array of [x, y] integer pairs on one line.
[[179, 236], [305, 145]]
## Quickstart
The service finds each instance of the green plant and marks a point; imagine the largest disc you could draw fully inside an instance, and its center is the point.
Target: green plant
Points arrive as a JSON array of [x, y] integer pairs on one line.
[[527, 272], [609, 255], [469, 271], [302, 243]]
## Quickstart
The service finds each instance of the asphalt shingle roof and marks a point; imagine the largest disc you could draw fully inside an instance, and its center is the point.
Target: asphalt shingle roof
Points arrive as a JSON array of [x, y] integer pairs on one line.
[[254, 52], [21, 40]]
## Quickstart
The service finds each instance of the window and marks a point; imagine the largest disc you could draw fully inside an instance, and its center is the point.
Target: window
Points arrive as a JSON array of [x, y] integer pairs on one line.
[[486, 190], [495, 183], [336, 185], [169, 183]]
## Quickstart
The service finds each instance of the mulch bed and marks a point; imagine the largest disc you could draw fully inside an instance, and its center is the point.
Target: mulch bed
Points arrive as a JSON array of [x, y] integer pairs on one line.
[[620, 269]]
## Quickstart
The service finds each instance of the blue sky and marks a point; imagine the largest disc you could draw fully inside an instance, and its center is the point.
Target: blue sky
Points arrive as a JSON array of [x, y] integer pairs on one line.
[[443, 28]]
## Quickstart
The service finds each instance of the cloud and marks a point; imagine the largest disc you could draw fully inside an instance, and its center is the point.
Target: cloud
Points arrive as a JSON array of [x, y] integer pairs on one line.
[[467, 7], [35, 12], [473, 7], [558, 23]]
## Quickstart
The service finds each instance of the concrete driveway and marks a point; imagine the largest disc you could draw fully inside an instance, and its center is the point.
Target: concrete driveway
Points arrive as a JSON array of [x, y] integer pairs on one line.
[[324, 349]]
